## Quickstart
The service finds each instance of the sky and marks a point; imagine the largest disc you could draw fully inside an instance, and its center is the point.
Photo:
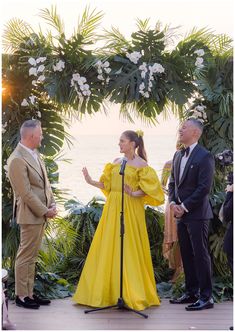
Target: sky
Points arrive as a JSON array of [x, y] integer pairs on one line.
[[217, 15]]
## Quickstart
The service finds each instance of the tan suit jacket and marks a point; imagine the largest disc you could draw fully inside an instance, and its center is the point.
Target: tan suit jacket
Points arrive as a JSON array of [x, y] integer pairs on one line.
[[32, 190]]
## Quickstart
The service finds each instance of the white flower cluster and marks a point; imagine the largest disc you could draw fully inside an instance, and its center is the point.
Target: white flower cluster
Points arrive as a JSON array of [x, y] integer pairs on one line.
[[31, 100], [151, 70], [134, 56], [199, 113], [199, 60], [59, 66], [80, 85], [37, 69], [4, 127], [103, 69], [6, 170]]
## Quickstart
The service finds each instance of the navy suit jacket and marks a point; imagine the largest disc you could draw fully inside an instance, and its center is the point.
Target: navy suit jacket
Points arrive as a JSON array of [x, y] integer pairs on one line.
[[195, 184]]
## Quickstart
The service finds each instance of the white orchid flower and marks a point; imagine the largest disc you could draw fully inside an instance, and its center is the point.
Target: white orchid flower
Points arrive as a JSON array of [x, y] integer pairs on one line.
[[134, 56], [200, 107], [81, 80], [105, 64], [32, 62], [107, 70], [41, 78], [39, 114], [98, 63], [60, 65], [6, 169], [146, 95], [100, 77], [41, 59], [24, 103], [157, 68], [33, 71], [76, 77], [143, 74], [32, 99], [142, 86], [86, 86], [41, 68], [99, 71], [199, 62], [200, 52], [34, 82], [143, 66]]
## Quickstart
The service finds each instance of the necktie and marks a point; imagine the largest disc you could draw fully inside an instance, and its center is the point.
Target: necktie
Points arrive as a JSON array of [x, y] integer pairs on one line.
[[185, 151]]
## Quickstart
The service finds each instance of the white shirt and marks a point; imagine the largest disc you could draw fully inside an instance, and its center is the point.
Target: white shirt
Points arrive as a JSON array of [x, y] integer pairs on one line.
[[185, 159], [32, 152], [183, 164]]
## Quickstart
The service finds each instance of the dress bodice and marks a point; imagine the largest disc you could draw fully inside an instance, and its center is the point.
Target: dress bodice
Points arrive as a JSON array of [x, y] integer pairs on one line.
[[144, 178]]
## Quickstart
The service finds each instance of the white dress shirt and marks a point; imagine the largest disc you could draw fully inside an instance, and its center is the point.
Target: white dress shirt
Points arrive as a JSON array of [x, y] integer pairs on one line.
[[183, 164], [32, 152], [185, 159]]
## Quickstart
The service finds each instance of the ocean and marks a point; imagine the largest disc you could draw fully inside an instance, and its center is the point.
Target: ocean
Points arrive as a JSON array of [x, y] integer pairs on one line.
[[94, 151]]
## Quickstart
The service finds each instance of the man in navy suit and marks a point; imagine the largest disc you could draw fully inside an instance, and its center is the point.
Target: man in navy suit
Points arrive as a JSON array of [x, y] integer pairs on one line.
[[189, 188]]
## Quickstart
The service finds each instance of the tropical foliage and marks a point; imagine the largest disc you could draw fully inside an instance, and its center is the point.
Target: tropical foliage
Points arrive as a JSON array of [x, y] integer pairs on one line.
[[51, 77]]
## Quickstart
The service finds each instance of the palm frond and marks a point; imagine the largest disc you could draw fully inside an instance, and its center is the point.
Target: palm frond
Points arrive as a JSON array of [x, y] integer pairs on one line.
[[130, 113], [52, 18], [16, 32], [88, 23], [203, 35], [143, 25], [221, 44], [116, 41]]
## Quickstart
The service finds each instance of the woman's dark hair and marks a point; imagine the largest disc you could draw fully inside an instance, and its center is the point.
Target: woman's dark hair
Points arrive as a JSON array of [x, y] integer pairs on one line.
[[139, 143]]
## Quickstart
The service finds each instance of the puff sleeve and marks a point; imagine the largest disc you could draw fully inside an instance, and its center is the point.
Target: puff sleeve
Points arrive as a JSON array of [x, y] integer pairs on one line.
[[106, 179], [150, 184]]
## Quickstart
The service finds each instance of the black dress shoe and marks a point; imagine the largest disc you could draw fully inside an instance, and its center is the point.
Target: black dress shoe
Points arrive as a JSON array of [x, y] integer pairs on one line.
[[201, 305], [185, 298], [40, 300], [27, 303]]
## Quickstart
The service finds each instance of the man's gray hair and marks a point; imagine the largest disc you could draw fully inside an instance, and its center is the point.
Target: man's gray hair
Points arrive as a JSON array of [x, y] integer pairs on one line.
[[29, 125], [196, 123]]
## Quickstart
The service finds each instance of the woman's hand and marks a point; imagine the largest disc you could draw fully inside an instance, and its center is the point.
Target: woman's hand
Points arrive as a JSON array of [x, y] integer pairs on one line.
[[128, 190], [86, 175]]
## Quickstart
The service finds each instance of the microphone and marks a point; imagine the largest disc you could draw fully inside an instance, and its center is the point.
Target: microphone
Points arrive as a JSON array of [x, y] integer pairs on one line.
[[123, 165]]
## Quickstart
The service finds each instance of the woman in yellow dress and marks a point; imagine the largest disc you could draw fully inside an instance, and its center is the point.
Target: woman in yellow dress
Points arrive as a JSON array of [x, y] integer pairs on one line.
[[99, 284]]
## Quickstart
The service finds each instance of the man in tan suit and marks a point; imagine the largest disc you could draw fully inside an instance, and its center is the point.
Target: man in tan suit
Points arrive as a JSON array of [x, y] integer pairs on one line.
[[33, 205]]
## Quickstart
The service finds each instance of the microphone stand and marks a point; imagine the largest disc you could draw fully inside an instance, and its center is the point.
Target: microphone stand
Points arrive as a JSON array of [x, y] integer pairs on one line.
[[120, 302]]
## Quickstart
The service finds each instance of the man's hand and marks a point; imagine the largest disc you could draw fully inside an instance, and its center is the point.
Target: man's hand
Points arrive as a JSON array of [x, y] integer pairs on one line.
[[51, 213], [177, 210]]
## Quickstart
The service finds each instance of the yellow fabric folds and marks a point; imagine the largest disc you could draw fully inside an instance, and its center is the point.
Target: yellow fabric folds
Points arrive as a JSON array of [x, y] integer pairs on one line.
[[99, 284]]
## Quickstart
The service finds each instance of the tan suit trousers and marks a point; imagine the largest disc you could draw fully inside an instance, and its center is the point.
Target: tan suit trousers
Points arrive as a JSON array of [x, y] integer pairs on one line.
[[30, 242]]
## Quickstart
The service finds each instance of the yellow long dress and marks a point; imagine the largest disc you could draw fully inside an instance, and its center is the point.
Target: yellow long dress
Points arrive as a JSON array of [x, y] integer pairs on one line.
[[99, 284]]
